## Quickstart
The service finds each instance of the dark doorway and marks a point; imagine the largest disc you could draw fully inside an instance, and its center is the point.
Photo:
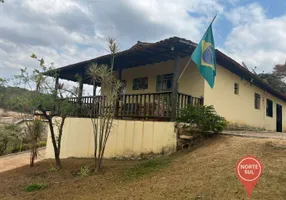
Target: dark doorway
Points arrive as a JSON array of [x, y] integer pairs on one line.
[[278, 118]]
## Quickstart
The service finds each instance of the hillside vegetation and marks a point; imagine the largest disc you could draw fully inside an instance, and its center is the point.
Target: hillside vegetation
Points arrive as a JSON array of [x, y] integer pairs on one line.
[[11, 98]]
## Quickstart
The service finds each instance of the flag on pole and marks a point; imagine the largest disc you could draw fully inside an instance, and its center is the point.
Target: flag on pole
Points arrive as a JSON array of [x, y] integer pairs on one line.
[[204, 56]]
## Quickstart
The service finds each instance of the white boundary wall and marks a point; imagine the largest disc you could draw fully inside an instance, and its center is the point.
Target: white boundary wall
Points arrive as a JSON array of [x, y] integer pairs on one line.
[[127, 138]]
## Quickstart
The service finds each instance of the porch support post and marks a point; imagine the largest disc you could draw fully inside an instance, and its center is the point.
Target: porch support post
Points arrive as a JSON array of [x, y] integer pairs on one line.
[[119, 74], [56, 86], [54, 107], [119, 77], [175, 88], [94, 90], [80, 89]]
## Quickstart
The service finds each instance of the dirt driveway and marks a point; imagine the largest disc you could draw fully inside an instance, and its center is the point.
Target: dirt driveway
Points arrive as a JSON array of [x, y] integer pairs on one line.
[[9, 162], [257, 134]]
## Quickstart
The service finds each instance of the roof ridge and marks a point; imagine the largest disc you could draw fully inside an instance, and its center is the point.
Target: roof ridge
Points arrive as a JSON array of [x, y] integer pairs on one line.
[[175, 39]]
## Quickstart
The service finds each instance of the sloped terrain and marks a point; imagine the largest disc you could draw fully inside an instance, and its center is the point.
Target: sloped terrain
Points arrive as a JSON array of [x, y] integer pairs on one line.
[[207, 172]]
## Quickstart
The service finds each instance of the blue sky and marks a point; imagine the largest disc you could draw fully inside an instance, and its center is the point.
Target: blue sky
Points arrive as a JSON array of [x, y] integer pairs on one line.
[[273, 8], [65, 32], [223, 26]]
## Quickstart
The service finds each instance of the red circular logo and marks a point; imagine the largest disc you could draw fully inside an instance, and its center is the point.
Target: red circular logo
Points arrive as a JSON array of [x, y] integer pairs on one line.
[[249, 170]]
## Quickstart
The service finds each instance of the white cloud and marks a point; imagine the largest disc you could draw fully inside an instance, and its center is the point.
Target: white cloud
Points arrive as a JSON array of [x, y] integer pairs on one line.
[[256, 39], [65, 32], [251, 13]]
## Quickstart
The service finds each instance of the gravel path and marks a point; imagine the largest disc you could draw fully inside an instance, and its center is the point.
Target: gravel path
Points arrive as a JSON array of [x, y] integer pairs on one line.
[[257, 134], [11, 161]]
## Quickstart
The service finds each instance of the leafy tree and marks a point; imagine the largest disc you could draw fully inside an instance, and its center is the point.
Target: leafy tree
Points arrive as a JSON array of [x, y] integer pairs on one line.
[[44, 97], [2, 82], [103, 112], [274, 80], [280, 70]]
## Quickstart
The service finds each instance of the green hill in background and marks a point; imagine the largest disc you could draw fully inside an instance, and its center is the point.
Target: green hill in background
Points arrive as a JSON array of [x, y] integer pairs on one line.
[[13, 98]]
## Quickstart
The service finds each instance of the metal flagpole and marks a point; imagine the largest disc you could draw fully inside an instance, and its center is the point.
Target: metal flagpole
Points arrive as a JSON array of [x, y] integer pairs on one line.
[[185, 68], [214, 18], [191, 57]]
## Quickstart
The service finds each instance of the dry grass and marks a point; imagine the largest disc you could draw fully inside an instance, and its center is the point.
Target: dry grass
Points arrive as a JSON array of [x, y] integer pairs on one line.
[[7, 116], [7, 113], [207, 173]]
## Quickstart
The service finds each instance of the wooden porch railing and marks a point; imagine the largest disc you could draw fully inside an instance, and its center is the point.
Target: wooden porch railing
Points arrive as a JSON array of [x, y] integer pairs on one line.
[[156, 106], [151, 105]]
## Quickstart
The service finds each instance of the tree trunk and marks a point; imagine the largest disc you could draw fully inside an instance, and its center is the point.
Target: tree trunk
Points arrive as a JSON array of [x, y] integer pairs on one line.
[[58, 160], [56, 150], [61, 129], [32, 157]]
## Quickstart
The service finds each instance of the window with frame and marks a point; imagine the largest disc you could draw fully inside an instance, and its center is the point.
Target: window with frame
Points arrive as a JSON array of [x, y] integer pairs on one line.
[[236, 88], [140, 83], [257, 100], [165, 82], [269, 108]]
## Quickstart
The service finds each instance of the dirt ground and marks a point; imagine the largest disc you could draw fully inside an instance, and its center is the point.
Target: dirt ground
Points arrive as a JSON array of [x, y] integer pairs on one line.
[[7, 116], [207, 172], [13, 161]]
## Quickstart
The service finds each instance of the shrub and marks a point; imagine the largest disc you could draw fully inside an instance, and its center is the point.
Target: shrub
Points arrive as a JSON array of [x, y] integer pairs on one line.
[[84, 171], [35, 186], [54, 169], [18, 148], [36, 129], [203, 119], [9, 137], [43, 143], [15, 149], [25, 147]]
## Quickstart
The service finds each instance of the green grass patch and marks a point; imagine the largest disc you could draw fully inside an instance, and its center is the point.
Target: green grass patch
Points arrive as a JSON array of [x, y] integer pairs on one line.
[[35, 187], [84, 171], [54, 169], [146, 167]]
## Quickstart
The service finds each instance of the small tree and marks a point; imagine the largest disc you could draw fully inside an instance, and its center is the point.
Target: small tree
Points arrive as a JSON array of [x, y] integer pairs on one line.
[[36, 129], [103, 112], [44, 97]]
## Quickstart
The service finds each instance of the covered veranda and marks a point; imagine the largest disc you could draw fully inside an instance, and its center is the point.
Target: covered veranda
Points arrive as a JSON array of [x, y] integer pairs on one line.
[[157, 105], [148, 105]]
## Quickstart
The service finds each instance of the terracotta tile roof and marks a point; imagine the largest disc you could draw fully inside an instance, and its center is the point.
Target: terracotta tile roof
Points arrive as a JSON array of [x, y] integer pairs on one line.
[[145, 53]]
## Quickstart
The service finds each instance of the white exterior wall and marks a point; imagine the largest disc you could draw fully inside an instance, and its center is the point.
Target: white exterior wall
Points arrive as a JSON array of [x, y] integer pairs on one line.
[[128, 138]]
